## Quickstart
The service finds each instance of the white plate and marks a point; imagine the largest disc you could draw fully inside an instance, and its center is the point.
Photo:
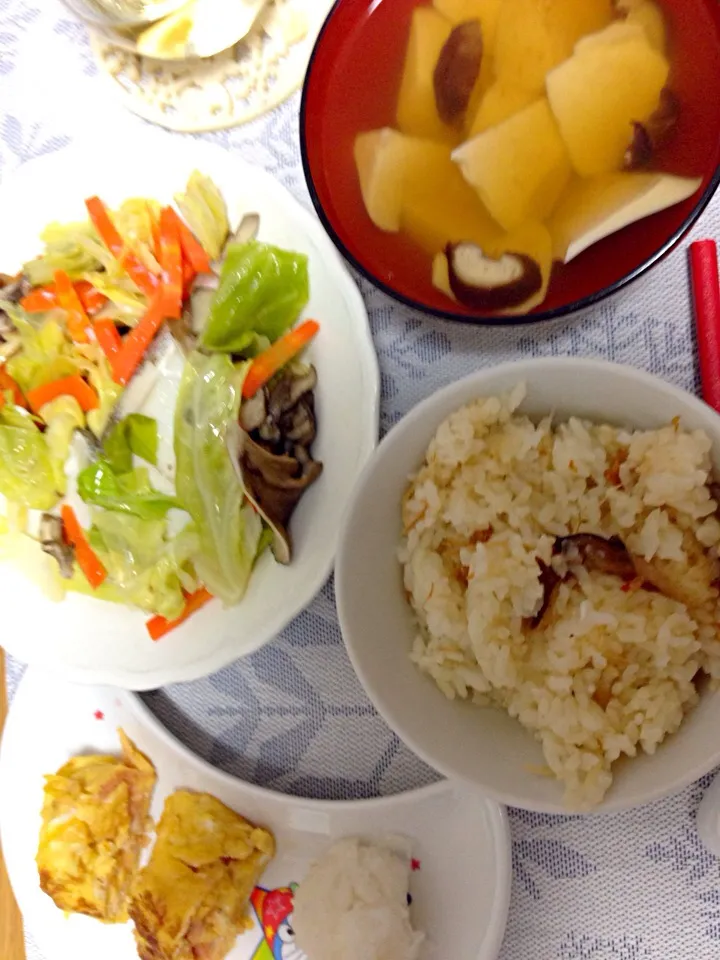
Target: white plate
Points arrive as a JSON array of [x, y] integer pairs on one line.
[[92, 642], [460, 893]]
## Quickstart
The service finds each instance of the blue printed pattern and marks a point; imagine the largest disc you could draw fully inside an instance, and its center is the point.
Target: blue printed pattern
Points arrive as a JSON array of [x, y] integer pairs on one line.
[[683, 854], [636, 886], [15, 18], [597, 948]]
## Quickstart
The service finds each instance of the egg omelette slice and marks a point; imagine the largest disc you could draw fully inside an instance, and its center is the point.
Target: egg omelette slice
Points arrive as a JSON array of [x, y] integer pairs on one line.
[[94, 824], [191, 900]]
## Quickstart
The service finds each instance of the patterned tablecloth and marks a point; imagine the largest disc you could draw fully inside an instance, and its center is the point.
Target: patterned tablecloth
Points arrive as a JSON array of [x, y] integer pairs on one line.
[[293, 717]]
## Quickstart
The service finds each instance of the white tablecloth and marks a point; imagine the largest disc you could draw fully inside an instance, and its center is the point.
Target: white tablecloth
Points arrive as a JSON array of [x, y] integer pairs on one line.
[[635, 886]]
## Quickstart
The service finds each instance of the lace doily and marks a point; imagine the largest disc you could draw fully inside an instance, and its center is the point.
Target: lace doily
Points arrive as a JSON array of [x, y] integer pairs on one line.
[[223, 91]]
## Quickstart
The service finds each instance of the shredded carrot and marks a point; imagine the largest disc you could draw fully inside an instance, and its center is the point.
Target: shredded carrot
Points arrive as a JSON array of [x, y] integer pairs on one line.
[[77, 319], [158, 627], [73, 386], [171, 261], [193, 251], [7, 384], [88, 561], [109, 339], [39, 300], [108, 233], [267, 364], [136, 342], [45, 298]]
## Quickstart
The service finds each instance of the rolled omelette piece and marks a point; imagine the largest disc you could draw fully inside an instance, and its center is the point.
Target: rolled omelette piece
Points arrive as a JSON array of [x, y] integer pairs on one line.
[[191, 900], [94, 827]]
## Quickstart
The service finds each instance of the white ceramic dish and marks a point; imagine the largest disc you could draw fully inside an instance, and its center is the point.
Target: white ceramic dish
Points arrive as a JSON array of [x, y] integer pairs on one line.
[[88, 641], [460, 893], [485, 746]]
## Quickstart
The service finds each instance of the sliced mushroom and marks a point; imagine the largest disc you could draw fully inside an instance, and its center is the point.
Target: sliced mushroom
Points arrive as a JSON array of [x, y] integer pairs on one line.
[[457, 71], [484, 283], [640, 152], [253, 412], [664, 120], [298, 425], [289, 388], [247, 230], [12, 290], [648, 137], [550, 581], [273, 484], [53, 543], [597, 554]]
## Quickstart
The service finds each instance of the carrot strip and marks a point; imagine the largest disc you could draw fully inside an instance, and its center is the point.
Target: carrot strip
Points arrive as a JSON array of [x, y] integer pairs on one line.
[[108, 233], [39, 300], [8, 384], [267, 364], [77, 320], [42, 299], [73, 386], [193, 251], [189, 275], [109, 339], [171, 261], [90, 298], [136, 342], [158, 627], [88, 561]]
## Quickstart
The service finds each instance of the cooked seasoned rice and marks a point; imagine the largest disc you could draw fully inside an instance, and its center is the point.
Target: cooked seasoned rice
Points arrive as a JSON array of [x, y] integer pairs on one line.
[[612, 666]]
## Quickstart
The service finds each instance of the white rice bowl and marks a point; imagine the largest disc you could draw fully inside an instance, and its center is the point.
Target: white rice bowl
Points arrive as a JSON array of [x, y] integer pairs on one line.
[[611, 668], [619, 678]]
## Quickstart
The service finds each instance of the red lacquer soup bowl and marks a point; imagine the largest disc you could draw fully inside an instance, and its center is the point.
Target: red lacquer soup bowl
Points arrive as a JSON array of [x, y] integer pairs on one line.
[[352, 86]]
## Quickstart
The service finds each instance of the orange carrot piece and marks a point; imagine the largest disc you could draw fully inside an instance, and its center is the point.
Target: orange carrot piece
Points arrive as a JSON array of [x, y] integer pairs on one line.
[[108, 233], [40, 299], [158, 627], [90, 298], [7, 384], [73, 386], [171, 261], [88, 560], [45, 298], [136, 342], [77, 319], [109, 339], [267, 364], [193, 251]]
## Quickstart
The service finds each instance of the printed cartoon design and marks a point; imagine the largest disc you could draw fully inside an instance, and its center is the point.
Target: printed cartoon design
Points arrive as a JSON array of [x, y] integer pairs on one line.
[[274, 910]]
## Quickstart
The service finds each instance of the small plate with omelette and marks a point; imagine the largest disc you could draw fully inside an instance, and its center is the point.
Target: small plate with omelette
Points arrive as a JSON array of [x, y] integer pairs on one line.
[[120, 843]]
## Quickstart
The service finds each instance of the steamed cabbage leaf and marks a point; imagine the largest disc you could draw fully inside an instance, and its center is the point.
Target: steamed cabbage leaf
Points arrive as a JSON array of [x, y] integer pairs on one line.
[[29, 474], [262, 291], [146, 568], [204, 210], [135, 434], [207, 484], [130, 492], [72, 247]]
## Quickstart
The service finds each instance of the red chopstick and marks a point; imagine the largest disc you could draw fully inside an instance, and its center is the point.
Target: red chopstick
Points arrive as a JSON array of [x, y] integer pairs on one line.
[[706, 301]]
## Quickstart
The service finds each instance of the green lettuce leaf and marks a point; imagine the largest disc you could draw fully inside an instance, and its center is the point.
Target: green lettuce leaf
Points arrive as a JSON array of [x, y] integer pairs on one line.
[[146, 568], [262, 291], [29, 474], [203, 208], [207, 485], [136, 434], [132, 492]]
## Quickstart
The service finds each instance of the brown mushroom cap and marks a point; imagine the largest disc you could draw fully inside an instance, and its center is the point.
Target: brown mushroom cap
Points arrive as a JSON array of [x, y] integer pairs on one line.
[[485, 283], [457, 70]]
